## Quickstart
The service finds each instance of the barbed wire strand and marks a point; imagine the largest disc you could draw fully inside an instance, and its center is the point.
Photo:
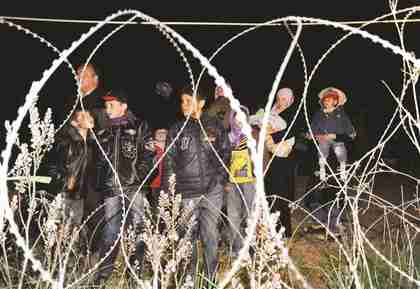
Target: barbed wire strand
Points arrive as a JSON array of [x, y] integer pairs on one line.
[[202, 23]]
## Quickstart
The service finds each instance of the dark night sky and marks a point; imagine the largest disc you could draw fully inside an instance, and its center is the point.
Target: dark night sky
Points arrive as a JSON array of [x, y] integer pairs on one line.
[[138, 57]]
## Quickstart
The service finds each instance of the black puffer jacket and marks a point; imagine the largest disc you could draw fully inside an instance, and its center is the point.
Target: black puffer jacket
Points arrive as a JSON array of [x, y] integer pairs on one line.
[[71, 164], [125, 145], [192, 160]]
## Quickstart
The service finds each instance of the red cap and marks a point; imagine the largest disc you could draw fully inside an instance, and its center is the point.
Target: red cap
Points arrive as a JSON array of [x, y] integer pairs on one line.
[[109, 97], [118, 95]]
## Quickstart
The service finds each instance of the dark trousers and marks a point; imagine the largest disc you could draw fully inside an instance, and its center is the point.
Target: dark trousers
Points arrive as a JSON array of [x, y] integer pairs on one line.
[[280, 189], [93, 201], [322, 203], [153, 198]]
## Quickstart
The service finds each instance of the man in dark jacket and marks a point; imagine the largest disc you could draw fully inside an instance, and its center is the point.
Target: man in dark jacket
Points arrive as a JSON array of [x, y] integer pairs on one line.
[[127, 142], [71, 167], [199, 175]]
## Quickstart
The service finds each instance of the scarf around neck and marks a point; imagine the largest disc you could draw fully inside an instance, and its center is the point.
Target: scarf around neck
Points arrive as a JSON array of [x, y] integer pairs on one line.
[[118, 121]]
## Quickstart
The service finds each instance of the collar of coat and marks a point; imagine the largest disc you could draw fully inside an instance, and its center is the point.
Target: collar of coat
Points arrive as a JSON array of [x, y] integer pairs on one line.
[[73, 133]]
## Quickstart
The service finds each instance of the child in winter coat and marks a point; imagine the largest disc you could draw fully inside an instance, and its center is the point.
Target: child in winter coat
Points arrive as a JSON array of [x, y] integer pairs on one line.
[[332, 128], [241, 189]]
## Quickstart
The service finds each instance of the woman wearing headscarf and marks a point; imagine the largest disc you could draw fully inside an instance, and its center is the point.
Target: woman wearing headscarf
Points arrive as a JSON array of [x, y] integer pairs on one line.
[[280, 166]]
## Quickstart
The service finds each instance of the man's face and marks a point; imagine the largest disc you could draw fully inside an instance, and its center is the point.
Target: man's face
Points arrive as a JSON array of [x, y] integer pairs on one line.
[[87, 78], [115, 109], [189, 105], [84, 120], [329, 102], [160, 135]]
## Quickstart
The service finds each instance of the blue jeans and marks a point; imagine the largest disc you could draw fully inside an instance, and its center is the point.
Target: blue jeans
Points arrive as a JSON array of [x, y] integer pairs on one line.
[[206, 211], [240, 203], [113, 214]]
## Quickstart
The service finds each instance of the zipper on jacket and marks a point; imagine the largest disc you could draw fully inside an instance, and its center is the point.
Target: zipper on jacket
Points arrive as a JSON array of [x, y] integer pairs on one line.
[[198, 149], [116, 150], [85, 164], [82, 176]]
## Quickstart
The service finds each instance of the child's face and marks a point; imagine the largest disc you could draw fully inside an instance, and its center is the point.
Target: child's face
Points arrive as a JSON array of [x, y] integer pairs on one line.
[[160, 135], [84, 120], [329, 102], [219, 91], [238, 122], [191, 105], [115, 108]]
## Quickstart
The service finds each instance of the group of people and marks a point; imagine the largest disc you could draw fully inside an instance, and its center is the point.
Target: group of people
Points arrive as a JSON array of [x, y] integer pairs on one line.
[[119, 172]]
